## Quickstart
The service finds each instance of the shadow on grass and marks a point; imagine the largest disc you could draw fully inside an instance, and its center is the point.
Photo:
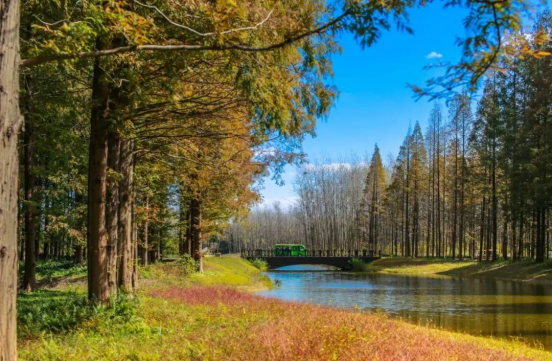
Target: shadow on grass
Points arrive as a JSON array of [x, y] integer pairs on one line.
[[50, 311], [54, 312], [525, 270]]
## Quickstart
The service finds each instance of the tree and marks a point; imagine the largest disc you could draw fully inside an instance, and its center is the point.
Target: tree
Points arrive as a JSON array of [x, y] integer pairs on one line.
[[372, 205]]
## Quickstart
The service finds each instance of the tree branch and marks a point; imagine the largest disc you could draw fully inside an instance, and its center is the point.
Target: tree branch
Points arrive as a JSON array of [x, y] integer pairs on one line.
[[153, 7], [30, 62]]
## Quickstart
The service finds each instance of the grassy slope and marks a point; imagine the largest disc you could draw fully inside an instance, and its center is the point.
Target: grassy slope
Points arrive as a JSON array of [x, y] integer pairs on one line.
[[518, 271], [196, 318]]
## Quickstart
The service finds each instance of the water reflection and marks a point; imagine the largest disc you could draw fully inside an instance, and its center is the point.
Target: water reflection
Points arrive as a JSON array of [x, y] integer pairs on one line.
[[477, 306]]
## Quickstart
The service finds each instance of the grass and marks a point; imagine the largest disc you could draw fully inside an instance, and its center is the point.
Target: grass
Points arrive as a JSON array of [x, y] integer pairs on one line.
[[526, 270], [231, 271], [50, 273], [416, 266], [202, 317]]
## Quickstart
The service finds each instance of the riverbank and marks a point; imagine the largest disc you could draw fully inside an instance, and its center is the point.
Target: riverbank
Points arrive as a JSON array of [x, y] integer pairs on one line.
[[179, 316], [527, 270]]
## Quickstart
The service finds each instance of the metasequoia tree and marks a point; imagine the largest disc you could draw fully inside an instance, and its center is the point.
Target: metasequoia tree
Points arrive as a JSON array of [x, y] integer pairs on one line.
[[372, 204]]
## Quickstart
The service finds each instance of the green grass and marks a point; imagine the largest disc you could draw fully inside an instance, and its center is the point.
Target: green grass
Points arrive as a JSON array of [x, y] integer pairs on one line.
[[231, 271], [416, 266], [526, 270]]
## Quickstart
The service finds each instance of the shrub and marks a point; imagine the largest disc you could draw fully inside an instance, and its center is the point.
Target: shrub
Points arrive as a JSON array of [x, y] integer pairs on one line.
[[358, 265], [259, 263], [189, 265]]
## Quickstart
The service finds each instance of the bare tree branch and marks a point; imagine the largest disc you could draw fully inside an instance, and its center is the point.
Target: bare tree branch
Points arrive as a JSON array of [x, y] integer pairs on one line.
[[153, 7]]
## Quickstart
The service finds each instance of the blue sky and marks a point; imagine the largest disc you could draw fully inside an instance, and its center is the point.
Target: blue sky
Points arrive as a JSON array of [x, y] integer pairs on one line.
[[375, 104]]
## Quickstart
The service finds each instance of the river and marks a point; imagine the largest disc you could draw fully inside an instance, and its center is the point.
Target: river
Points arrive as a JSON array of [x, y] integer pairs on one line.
[[485, 307]]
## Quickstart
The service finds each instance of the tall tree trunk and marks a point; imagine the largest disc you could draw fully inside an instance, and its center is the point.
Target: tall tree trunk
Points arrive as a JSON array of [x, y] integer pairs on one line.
[[521, 237], [145, 247], [195, 210], [112, 208], [46, 223], [455, 206], [29, 278], [183, 219], [514, 239], [78, 255], [505, 239], [125, 217], [10, 124], [494, 205], [188, 244], [482, 229], [541, 234], [98, 283], [134, 238]]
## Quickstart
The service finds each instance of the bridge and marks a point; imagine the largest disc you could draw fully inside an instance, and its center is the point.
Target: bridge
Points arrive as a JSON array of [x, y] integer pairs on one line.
[[336, 258]]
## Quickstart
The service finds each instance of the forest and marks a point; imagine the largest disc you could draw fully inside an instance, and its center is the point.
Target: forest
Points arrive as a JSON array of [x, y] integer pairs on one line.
[[136, 129], [476, 184]]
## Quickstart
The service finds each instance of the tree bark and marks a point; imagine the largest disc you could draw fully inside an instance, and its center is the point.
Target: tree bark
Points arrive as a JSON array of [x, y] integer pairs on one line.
[[195, 210], [145, 247], [112, 208], [29, 278], [78, 255], [125, 221], [10, 123], [98, 282], [134, 238]]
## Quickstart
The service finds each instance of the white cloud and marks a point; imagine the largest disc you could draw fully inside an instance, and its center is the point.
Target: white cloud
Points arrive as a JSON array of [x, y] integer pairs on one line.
[[434, 55], [283, 201]]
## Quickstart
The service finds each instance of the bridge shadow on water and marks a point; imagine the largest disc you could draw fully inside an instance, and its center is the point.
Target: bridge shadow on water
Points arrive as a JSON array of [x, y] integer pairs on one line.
[[306, 268]]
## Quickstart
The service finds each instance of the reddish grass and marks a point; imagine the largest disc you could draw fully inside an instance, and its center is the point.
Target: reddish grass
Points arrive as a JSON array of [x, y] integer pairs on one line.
[[258, 328], [208, 296]]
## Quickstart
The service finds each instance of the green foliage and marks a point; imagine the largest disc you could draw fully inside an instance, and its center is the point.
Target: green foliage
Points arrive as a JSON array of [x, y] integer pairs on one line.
[[358, 265], [189, 265], [54, 269], [50, 311], [58, 311], [259, 263]]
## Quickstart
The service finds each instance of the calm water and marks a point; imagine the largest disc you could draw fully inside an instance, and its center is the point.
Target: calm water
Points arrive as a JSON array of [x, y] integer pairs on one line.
[[476, 306]]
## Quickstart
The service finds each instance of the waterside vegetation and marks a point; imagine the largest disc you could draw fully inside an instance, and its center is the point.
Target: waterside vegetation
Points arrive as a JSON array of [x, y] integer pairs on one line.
[[526, 270]]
